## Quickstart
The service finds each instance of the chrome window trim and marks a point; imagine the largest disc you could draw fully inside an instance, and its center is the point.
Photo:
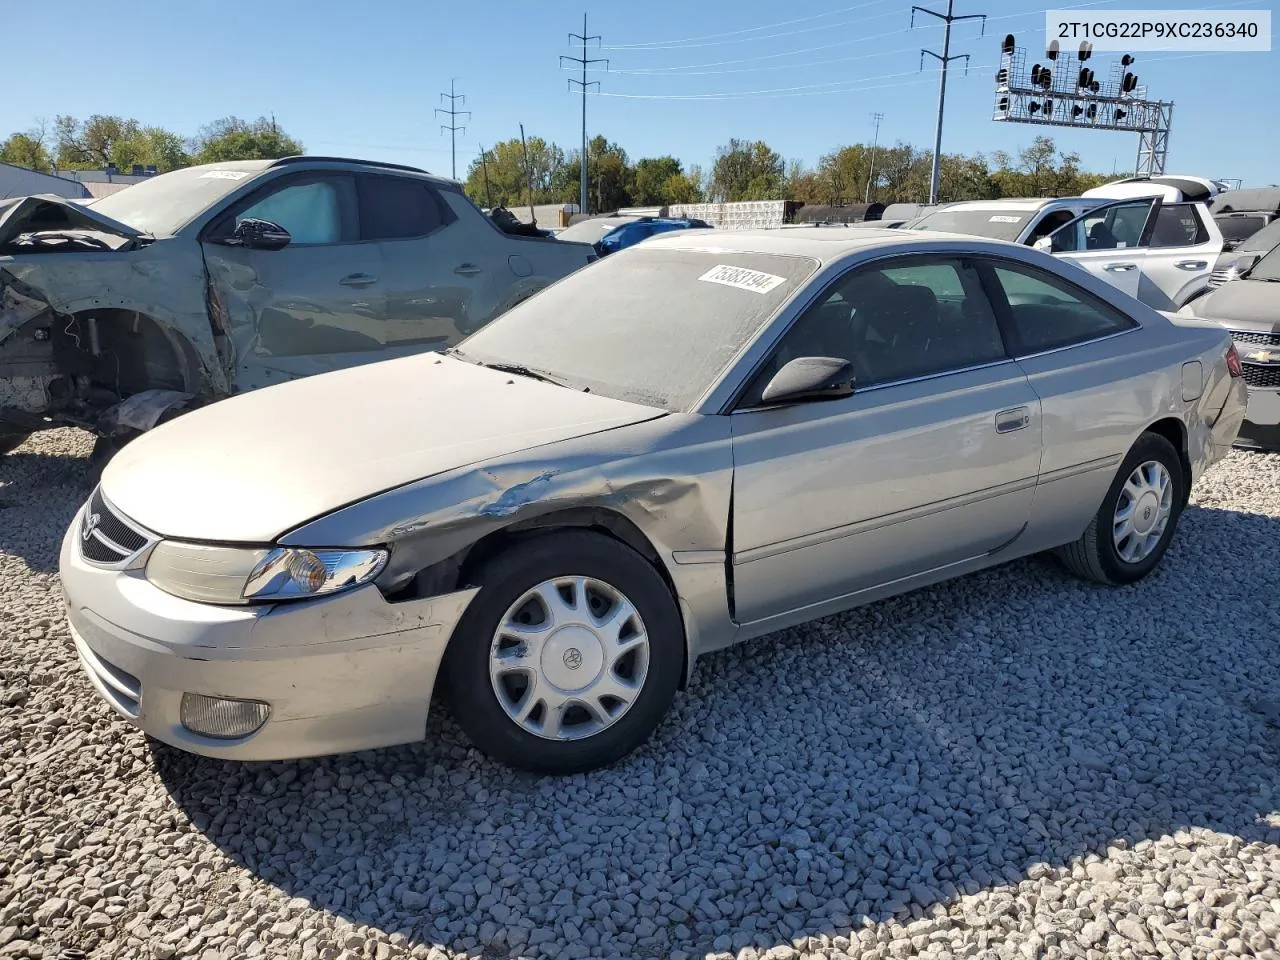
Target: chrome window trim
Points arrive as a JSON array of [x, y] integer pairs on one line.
[[1079, 343]]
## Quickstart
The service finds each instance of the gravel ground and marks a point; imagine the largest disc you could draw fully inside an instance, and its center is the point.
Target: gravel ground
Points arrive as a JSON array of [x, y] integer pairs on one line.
[[1011, 765]]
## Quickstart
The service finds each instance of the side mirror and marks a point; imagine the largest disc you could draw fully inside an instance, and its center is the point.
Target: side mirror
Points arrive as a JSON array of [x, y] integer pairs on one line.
[[810, 378], [254, 234], [1044, 244]]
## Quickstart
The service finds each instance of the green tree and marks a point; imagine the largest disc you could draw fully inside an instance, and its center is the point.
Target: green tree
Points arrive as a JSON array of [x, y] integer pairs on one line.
[[103, 141], [234, 139], [649, 179], [608, 176], [509, 181], [1042, 170], [26, 150], [747, 170]]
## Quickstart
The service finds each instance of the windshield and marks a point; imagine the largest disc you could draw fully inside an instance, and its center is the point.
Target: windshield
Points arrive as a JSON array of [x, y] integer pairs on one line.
[[997, 224], [162, 205], [1268, 268], [1263, 240], [1240, 228], [648, 325], [589, 231]]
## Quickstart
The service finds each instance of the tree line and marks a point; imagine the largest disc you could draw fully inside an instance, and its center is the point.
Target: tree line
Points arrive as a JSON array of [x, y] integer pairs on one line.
[[512, 173], [104, 140], [752, 170]]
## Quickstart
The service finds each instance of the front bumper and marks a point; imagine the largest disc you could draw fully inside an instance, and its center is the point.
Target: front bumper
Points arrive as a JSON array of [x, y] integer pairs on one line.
[[341, 673]]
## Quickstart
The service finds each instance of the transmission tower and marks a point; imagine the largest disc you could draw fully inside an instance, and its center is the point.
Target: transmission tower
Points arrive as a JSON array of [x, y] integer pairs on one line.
[[583, 61], [945, 59], [455, 100]]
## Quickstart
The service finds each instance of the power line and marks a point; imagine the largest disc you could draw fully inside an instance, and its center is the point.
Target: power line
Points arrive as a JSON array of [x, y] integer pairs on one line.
[[676, 70], [767, 36], [455, 99], [583, 84], [945, 59], [667, 44]]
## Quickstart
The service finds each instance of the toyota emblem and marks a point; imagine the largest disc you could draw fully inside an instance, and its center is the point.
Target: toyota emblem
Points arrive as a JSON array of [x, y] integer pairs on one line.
[[573, 658], [90, 524]]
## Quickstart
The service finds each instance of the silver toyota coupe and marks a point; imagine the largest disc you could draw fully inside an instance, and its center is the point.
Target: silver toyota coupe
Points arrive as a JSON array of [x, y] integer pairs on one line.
[[691, 443]]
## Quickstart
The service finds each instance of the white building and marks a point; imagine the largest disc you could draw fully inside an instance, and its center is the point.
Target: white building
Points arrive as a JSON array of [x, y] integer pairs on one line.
[[21, 182]]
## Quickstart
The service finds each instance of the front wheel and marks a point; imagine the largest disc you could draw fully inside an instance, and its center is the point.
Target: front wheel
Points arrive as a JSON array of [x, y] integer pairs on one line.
[[1135, 523], [568, 657]]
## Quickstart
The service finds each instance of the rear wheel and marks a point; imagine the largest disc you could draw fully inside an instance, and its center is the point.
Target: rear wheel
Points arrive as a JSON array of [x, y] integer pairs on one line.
[[10, 441], [1135, 523], [568, 657]]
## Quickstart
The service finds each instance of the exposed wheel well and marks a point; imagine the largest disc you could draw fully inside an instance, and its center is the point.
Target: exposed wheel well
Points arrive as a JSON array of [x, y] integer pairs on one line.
[[453, 573], [125, 352], [1175, 431]]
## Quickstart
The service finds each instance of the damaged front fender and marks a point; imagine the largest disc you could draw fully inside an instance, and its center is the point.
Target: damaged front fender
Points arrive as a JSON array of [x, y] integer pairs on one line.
[[82, 331], [670, 479]]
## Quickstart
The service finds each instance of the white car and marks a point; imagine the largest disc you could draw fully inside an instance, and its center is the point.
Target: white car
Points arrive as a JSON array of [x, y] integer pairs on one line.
[[1157, 251]]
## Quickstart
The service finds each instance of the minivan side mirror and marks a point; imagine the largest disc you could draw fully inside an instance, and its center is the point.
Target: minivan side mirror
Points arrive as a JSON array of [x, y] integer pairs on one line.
[[810, 378], [254, 234]]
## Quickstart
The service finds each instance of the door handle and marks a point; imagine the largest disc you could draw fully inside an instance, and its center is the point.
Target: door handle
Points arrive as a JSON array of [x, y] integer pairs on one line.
[[1191, 264], [1008, 421], [467, 270], [358, 280], [1120, 267]]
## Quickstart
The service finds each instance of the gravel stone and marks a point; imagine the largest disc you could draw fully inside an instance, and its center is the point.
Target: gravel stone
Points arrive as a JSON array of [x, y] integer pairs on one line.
[[1015, 764]]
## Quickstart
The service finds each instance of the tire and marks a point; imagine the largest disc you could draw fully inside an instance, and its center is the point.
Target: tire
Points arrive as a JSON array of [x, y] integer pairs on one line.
[[11, 441], [473, 688], [1096, 555]]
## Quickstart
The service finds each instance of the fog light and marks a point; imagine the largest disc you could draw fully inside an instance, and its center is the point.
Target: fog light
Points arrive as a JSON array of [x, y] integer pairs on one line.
[[221, 718]]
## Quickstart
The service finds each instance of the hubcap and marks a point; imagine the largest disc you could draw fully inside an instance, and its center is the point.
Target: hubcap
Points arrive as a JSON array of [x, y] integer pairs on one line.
[[569, 658], [1142, 511]]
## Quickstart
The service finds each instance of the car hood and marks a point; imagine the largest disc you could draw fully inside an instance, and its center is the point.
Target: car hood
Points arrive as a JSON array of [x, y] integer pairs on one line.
[[251, 468], [1241, 305], [21, 216]]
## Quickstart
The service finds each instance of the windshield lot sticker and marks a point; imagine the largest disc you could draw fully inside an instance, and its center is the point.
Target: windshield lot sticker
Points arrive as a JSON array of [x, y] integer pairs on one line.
[[742, 278], [224, 175], [1000, 219]]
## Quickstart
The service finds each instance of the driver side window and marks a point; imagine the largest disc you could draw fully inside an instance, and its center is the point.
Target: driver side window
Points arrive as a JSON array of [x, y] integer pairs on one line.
[[311, 209], [1111, 227], [909, 317]]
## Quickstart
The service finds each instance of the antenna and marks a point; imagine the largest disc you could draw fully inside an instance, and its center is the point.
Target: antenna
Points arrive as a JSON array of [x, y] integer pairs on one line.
[[455, 100]]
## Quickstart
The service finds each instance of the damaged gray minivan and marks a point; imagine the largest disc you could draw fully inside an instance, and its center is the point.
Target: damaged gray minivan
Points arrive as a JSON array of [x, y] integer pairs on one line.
[[218, 279]]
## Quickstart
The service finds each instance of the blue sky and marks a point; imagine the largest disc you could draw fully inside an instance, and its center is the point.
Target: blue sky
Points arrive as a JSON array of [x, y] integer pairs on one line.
[[364, 78]]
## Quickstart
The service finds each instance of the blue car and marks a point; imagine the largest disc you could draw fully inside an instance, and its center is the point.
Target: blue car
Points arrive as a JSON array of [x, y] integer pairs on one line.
[[610, 234]]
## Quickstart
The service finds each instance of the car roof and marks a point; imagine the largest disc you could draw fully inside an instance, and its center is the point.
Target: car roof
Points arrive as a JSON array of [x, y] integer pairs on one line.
[[309, 162], [1013, 203], [823, 244]]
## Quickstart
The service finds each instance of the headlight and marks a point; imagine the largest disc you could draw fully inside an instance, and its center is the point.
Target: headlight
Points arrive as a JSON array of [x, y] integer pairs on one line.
[[236, 575], [288, 573]]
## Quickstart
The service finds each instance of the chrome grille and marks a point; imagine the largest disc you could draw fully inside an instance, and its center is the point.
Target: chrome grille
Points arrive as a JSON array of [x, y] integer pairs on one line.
[[1218, 278], [107, 538], [1262, 374], [1256, 337]]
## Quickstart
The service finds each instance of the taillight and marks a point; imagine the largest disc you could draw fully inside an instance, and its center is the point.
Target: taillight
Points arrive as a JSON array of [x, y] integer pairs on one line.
[[1233, 362]]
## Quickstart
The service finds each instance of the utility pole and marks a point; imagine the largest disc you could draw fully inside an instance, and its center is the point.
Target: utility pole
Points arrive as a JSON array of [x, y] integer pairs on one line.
[[484, 166], [455, 100], [583, 61], [528, 176], [945, 59], [875, 141]]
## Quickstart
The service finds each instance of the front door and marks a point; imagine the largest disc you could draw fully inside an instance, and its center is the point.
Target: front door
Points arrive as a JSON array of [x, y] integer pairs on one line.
[[314, 305], [932, 461], [1110, 241]]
